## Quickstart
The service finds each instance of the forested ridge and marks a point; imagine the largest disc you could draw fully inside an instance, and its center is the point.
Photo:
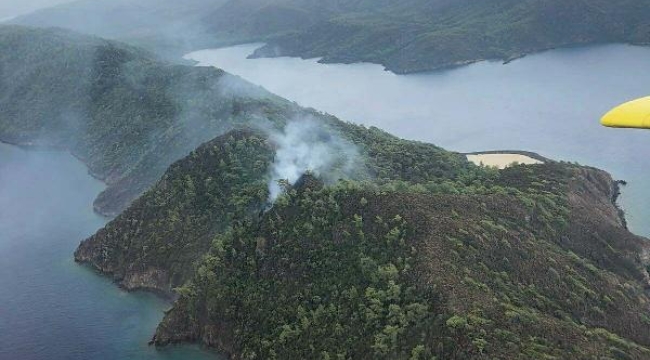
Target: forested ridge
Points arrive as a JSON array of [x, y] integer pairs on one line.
[[225, 181], [362, 272], [404, 36]]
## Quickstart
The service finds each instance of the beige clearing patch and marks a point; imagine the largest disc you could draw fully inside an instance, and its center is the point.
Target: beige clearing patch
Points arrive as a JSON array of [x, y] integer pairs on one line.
[[502, 161]]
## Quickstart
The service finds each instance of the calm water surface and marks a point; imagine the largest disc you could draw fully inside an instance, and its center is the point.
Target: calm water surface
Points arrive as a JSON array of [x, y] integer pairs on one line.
[[549, 103], [50, 307]]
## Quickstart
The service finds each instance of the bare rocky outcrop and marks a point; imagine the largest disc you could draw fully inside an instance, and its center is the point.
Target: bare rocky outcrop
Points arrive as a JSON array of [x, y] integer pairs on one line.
[[134, 277]]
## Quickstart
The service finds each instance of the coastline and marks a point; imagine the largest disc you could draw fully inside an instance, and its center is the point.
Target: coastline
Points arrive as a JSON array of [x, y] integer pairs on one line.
[[263, 51], [167, 296], [34, 146], [616, 185]]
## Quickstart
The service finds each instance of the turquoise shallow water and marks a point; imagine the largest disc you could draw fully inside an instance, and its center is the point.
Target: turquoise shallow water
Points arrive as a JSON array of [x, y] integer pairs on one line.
[[549, 103], [50, 307]]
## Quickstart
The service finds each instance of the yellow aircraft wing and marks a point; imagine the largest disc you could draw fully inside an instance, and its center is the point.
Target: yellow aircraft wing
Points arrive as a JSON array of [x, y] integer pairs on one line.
[[634, 114]]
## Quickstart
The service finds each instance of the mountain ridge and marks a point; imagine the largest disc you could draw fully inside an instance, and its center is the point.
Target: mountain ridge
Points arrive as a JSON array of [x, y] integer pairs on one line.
[[403, 36]]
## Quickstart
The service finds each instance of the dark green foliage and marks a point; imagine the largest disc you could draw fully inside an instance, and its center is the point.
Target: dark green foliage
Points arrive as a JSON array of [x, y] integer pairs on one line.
[[342, 293], [225, 182], [420, 35], [170, 227], [391, 158], [402, 270]]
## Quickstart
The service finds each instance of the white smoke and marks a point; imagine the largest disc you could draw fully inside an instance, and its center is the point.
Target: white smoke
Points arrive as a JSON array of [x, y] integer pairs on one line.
[[309, 146]]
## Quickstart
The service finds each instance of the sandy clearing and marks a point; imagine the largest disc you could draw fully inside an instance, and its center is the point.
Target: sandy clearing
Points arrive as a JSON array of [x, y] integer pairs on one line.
[[501, 161]]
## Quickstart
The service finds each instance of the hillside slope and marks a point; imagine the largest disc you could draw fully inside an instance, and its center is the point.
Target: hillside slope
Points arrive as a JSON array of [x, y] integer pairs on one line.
[[155, 243], [426, 256], [538, 266], [126, 114], [418, 36]]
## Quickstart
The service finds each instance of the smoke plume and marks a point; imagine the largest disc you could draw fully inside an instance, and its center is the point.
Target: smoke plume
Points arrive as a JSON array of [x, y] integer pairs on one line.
[[306, 145]]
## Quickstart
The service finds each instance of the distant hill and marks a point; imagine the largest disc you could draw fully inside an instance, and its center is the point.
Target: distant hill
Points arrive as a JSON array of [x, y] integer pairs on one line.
[[416, 35], [405, 36], [118, 108]]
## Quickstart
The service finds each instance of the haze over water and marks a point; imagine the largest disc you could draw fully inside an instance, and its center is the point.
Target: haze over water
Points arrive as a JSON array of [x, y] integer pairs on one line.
[[548, 103], [12, 8], [50, 307]]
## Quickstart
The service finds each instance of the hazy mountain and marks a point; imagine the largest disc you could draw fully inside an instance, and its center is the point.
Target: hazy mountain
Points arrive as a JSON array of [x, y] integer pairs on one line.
[[424, 35], [127, 115], [166, 26], [405, 36]]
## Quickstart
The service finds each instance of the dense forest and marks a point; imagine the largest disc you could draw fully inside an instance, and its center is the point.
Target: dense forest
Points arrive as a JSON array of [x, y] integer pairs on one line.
[[428, 257], [226, 181], [404, 36], [523, 269]]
